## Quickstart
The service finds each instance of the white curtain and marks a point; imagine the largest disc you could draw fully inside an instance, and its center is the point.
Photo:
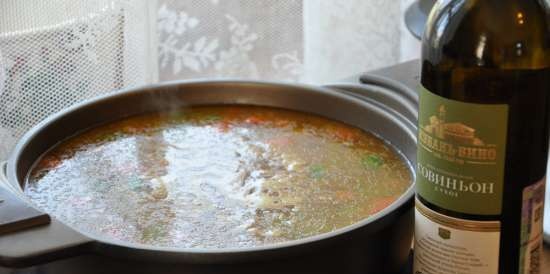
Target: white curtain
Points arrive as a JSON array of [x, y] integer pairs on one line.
[[295, 40], [54, 53]]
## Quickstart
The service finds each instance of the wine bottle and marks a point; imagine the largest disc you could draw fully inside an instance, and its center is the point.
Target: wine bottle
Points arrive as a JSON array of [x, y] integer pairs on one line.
[[482, 137]]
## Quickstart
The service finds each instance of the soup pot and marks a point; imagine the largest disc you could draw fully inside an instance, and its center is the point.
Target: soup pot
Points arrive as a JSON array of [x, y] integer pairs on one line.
[[378, 244]]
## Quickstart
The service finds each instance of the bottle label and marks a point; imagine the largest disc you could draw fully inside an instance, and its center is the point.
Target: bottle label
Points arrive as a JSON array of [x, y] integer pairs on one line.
[[446, 245], [461, 154], [531, 228]]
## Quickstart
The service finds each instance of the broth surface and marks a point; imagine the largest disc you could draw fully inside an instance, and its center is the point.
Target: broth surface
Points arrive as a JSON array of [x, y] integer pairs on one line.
[[217, 177]]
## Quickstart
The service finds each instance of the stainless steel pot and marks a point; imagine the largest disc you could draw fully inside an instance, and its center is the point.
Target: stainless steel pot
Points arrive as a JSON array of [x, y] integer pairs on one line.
[[378, 244]]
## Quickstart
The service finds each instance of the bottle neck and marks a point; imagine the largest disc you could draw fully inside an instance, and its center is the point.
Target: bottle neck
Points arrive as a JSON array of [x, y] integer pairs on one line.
[[506, 34]]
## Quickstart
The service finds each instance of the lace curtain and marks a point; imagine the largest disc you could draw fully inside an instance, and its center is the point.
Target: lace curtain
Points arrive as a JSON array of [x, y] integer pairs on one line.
[[54, 53], [312, 41]]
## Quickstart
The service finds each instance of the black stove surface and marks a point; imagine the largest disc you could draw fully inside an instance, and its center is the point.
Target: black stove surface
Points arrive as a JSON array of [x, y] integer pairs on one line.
[[92, 264]]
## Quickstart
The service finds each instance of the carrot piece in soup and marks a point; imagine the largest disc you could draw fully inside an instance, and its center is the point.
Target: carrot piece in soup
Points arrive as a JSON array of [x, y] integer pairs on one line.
[[232, 113], [50, 162], [281, 122], [223, 126], [255, 120], [346, 134], [136, 127], [381, 203]]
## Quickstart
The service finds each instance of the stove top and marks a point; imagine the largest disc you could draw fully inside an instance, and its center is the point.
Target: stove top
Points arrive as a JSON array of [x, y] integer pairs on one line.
[[92, 264]]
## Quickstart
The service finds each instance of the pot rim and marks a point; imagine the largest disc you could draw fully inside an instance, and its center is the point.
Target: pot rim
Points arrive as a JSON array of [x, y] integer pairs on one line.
[[403, 199]]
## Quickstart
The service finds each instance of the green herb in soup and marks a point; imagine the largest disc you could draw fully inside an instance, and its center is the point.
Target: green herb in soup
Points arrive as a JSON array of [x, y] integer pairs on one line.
[[218, 177]]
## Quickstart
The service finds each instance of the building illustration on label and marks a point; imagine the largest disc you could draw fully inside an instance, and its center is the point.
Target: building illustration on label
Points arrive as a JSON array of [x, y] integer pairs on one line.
[[454, 132], [455, 141]]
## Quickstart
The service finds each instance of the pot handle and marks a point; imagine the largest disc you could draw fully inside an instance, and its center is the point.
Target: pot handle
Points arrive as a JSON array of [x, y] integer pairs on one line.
[[403, 78], [391, 99], [29, 236]]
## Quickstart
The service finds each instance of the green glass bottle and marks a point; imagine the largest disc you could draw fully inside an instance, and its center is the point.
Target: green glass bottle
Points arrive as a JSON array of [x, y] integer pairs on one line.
[[483, 137]]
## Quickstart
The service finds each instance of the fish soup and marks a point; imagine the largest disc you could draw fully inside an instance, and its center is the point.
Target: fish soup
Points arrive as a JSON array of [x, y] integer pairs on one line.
[[218, 177]]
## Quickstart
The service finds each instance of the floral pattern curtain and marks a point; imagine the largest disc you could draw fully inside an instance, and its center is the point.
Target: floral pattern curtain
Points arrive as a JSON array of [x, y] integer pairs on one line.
[[54, 53], [291, 40]]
